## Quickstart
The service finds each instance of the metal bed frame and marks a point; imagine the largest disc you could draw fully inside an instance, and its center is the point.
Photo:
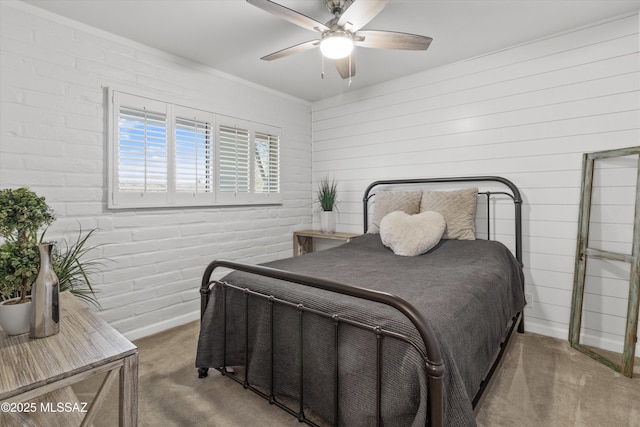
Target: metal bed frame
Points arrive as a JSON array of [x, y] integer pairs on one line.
[[432, 356]]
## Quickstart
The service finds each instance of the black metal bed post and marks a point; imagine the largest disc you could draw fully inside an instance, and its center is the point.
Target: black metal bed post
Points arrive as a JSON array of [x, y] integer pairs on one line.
[[246, 341], [272, 388], [205, 292], [336, 371], [301, 367], [488, 194], [518, 213], [518, 208], [433, 359]]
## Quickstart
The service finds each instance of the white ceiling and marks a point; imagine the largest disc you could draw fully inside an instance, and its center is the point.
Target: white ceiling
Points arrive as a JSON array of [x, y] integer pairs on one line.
[[231, 35]]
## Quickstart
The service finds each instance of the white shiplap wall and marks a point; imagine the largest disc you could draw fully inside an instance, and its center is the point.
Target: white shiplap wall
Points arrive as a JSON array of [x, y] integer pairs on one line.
[[53, 138], [527, 113]]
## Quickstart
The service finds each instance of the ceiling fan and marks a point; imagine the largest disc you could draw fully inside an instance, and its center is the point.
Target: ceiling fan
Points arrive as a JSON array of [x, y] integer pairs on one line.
[[339, 35]]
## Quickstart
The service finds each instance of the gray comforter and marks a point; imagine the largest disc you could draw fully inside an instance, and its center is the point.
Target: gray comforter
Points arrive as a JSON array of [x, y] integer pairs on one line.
[[467, 291]]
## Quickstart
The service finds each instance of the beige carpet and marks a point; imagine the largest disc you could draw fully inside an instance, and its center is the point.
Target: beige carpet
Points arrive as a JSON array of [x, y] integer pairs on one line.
[[543, 382]]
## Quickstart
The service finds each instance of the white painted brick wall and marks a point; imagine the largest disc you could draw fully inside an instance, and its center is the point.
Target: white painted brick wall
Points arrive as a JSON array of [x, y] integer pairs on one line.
[[527, 113], [53, 138]]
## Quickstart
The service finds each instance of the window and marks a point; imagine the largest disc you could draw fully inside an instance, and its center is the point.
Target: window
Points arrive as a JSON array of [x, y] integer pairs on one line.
[[234, 160], [142, 150], [163, 154], [249, 167], [267, 166], [194, 156]]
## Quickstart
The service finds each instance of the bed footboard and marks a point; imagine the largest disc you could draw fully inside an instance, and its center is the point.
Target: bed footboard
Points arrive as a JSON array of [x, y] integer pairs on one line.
[[432, 357]]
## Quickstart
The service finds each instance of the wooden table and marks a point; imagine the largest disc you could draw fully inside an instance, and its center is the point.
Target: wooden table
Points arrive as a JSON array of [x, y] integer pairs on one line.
[[35, 374], [303, 240]]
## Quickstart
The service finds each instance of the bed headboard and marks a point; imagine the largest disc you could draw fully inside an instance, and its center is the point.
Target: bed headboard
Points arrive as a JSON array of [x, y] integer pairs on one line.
[[513, 194]]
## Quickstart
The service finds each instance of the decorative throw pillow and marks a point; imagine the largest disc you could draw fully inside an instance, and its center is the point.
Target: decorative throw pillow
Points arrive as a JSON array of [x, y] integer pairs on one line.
[[386, 202], [411, 235], [458, 207]]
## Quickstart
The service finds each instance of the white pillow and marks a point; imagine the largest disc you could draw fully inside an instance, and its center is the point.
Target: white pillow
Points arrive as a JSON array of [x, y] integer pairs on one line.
[[411, 235]]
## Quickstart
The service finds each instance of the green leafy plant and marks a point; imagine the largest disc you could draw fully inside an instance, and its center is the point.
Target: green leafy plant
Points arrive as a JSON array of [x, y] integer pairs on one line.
[[22, 214], [18, 269], [74, 271], [327, 194]]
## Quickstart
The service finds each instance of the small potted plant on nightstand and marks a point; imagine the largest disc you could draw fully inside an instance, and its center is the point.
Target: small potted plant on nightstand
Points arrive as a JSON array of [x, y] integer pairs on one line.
[[22, 214], [327, 193]]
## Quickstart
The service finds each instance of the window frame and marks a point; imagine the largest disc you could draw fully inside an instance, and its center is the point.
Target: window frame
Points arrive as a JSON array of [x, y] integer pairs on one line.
[[118, 199]]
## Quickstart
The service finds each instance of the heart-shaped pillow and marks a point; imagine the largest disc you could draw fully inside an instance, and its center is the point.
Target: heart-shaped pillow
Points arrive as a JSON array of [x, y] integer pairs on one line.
[[411, 235]]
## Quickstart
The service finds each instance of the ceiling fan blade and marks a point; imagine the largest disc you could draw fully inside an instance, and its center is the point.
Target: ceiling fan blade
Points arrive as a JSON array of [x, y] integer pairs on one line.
[[392, 40], [289, 15], [342, 65], [360, 13], [302, 47]]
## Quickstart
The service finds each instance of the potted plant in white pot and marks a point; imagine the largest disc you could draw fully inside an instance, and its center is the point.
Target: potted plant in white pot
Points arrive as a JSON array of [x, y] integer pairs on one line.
[[327, 194], [22, 214]]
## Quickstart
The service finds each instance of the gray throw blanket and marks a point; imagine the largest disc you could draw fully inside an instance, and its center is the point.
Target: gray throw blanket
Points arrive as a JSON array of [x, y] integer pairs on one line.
[[466, 290]]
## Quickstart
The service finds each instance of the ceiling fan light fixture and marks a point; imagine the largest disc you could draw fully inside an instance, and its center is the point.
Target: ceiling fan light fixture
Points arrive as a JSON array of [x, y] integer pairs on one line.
[[336, 44]]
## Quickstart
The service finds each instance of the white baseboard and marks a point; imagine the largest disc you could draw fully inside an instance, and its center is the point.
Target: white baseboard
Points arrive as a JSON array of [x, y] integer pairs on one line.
[[563, 334], [162, 326], [550, 331]]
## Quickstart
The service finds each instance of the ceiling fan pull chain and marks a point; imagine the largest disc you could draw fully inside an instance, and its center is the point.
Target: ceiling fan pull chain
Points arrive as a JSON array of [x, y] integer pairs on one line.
[[350, 69], [322, 59]]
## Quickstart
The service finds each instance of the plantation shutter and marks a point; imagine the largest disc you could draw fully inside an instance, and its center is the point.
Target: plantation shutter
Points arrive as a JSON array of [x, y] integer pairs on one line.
[[142, 151], [194, 156], [234, 160], [164, 155], [267, 163]]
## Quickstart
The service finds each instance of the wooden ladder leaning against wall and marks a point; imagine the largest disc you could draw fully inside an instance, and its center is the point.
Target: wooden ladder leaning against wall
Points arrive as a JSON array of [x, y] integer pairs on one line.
[[584, 252]]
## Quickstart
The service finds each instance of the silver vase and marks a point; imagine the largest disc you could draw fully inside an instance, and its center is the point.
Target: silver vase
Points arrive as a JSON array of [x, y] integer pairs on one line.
[[45, 291]]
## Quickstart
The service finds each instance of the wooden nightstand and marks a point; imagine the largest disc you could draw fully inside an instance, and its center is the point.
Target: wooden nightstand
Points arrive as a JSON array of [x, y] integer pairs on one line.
[[35, 374], [303, 240]]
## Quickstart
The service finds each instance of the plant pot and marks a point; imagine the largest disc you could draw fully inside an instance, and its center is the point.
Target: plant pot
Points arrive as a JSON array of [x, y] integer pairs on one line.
[[15, 319], [327, 222]]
